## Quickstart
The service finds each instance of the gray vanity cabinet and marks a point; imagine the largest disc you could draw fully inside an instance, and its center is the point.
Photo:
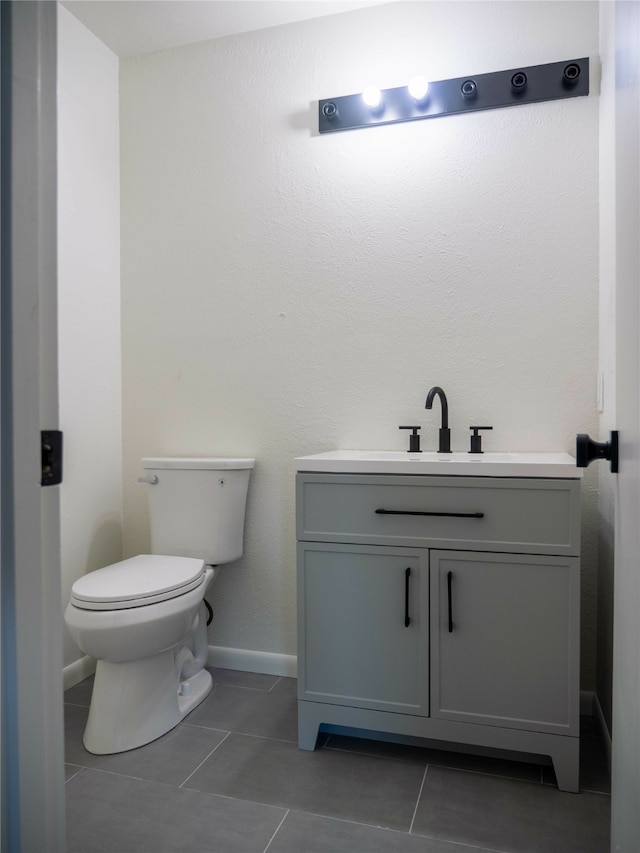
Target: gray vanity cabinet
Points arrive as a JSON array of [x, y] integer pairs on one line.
[[445, 608]]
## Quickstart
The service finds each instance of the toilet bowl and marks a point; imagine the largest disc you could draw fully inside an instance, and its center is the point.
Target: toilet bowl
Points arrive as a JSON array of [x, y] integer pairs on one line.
[[144, 619]]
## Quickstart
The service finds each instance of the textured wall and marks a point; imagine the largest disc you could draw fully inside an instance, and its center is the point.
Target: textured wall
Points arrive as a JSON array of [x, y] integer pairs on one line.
[[88, 305], [285, 293]]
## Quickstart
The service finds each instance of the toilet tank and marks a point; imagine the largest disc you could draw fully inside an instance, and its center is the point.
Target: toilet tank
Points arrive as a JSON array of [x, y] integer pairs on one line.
[[197, 506]]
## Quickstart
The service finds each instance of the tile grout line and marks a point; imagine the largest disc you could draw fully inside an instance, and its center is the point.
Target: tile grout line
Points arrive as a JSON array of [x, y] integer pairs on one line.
[[228, 732], [240, 687], [79, 770], [466, 844], [128, 776], [258, 737], [201, 726], [203, 760], [277, 830], [415, 811]]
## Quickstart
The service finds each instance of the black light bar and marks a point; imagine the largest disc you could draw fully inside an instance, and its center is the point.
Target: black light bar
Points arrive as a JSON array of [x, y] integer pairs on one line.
[[535, 83]]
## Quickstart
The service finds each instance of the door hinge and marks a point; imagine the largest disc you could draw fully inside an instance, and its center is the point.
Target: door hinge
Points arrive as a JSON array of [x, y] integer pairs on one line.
[[51, 445]]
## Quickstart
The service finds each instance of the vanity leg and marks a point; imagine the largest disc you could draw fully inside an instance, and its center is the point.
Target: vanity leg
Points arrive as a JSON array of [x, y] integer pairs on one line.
[[566, 763], [308, 725]]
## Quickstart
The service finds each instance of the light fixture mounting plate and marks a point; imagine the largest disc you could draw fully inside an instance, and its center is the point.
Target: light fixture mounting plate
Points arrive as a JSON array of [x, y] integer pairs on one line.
[[524, 85]]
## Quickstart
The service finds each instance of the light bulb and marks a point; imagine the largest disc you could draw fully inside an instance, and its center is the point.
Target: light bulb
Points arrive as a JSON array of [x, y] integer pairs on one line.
[[372, 97], [418, 88]]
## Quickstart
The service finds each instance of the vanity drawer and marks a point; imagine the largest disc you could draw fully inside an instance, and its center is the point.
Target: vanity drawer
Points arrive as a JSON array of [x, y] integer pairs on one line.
[[479, 513]]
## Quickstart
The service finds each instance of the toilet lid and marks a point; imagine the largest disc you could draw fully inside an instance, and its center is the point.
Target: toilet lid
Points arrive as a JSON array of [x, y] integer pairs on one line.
[[140, 580]]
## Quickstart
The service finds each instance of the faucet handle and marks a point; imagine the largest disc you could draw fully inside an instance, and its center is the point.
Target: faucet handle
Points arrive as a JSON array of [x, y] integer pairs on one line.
[[476, 439], [414, 439]]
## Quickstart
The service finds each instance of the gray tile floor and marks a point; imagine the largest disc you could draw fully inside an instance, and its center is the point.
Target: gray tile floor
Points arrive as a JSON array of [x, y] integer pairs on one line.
[[230, 779]]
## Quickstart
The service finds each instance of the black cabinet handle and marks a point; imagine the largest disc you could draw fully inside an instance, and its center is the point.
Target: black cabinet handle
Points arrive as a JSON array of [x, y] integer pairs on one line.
[[407, 619], [437, 514], [450, 601]]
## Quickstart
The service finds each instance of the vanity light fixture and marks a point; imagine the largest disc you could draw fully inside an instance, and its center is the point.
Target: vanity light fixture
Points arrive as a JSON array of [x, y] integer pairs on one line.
[[418, 88], [372, 97], [469, 89], [423, 99]]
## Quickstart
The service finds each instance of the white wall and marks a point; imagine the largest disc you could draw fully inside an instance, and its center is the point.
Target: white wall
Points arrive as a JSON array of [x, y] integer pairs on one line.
[[89, 305], [285, 293]]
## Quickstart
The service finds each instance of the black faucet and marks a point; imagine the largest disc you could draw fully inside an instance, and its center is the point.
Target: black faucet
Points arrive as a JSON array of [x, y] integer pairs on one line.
[[444, 434]]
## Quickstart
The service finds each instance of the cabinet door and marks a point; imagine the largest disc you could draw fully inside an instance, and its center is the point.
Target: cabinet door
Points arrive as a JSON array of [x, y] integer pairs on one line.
[[362, 626], [505, 640]]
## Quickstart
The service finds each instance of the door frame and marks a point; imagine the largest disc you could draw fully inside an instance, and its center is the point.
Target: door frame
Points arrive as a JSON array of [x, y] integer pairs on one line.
[[32, 723]]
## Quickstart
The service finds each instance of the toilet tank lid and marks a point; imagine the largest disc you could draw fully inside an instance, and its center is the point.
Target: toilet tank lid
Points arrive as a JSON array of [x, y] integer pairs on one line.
[[207, 463]]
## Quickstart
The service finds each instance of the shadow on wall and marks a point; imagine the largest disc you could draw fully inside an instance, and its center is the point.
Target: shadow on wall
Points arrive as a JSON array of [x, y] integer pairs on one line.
[[105, 546]]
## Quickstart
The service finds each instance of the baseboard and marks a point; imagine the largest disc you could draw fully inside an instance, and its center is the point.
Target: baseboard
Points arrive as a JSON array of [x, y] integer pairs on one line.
[[246, 660], [77, 671], [268, 663]]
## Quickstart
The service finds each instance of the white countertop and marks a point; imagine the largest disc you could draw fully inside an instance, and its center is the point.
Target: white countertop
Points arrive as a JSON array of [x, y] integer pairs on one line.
[[559, 465]]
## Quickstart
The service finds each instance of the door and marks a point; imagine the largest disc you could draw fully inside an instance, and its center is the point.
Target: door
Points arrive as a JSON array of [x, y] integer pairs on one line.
[[625, 818], [362, 626], [505, 640], [32, 731]]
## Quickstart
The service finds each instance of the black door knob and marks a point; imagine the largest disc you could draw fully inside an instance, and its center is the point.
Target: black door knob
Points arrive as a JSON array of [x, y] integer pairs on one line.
[[587, 450]]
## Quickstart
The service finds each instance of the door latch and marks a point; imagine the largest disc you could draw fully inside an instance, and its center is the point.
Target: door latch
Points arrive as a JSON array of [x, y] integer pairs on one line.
[[51, 448]]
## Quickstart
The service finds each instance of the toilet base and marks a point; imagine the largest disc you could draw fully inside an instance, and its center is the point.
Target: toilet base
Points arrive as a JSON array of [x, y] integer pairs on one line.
[[136, 702]]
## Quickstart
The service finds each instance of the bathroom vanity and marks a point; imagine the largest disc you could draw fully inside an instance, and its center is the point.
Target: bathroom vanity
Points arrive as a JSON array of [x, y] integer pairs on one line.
[[440, 599]]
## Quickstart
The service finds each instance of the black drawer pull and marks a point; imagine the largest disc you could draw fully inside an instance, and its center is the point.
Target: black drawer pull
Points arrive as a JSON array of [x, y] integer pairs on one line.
[[450, 601], [407, 619], [437, 514]]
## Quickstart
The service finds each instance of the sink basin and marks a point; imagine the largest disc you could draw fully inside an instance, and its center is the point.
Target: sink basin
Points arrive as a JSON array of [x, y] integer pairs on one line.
[[454, 464]]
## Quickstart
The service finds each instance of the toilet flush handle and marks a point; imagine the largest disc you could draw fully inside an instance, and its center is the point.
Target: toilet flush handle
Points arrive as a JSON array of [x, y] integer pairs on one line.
[[151, 479]]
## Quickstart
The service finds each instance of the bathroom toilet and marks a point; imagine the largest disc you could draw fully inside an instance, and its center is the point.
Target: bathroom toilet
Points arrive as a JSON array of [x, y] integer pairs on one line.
[[144, 619]]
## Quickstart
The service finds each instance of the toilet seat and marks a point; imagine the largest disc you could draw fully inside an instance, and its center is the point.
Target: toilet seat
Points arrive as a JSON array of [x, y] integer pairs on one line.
[[137, 582]]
